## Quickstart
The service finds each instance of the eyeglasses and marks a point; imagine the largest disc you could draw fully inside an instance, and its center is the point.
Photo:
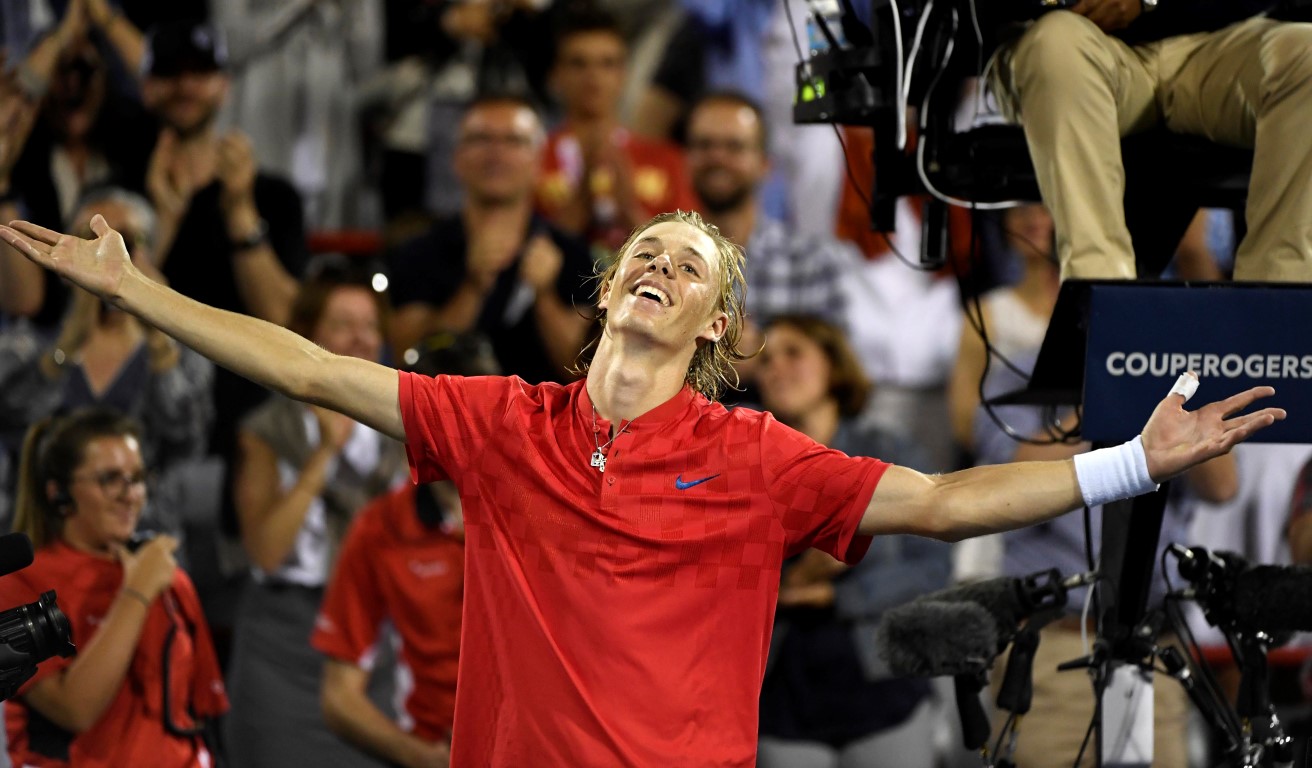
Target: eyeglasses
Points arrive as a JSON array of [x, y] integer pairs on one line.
[[115, 483]]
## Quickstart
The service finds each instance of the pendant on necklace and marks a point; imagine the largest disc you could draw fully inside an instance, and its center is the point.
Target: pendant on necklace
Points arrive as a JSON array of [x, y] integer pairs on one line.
[[599, 460]]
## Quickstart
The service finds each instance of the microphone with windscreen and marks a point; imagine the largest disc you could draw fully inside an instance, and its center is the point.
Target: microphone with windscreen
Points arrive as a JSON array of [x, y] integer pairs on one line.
[[960, 630], [953, 627], [1236, 595], [931, 638]]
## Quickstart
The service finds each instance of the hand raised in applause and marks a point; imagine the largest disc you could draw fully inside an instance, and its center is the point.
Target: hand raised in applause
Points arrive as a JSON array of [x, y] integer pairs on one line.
[[236, 169], [492, 248], [541, 263], [170, 180]]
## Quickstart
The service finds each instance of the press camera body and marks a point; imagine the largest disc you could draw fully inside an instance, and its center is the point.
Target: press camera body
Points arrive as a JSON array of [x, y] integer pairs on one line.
[[32, 633]]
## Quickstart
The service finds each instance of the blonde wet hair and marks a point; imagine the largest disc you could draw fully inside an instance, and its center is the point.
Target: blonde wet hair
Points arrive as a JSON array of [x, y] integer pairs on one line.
[[711, 369]]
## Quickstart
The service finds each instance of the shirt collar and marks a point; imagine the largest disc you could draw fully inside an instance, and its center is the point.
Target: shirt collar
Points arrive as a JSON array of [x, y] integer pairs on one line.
[[669, 411]]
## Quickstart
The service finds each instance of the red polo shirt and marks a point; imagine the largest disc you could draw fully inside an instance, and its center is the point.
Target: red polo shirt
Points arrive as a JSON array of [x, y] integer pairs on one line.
[[621, 618], [393, 568]]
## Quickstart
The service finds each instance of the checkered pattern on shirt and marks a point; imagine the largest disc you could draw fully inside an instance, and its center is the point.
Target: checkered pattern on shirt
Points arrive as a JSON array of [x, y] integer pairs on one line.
[[615, 618], [795, 273]]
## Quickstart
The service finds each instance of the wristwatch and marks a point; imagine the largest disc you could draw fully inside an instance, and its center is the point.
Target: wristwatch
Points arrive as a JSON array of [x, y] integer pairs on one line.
[[1148, 6]]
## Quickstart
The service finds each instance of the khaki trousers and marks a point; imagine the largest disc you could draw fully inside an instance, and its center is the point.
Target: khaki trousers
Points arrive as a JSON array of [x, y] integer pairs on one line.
[[1077, 91], [1050, 735]]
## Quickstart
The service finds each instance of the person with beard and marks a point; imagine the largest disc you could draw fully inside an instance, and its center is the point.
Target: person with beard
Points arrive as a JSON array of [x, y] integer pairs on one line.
[[496, 267], [625, 532], [228, 235], [787, 273]]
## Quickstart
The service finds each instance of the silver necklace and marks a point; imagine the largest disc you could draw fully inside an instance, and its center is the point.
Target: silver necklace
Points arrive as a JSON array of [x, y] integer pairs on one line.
[[599, 455]]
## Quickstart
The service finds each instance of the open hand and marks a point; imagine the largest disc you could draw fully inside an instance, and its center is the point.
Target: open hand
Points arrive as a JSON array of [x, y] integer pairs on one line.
[[541, 263], [1175, 439], [98, 265]]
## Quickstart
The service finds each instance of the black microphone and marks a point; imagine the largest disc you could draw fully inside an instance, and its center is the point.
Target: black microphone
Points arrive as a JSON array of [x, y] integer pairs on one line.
[[1274, 598], [1010, 600], [930, 638], [975, 727], [15, 552], [1234, 594]]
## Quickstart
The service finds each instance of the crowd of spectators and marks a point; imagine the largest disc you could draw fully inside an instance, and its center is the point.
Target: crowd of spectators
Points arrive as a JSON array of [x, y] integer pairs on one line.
[[485, 152]]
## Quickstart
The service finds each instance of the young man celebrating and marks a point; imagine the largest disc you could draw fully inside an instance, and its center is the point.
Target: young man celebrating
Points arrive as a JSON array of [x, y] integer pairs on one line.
[[624, 533]]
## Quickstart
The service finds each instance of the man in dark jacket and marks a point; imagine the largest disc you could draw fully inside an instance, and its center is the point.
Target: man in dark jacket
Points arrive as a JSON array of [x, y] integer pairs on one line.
[[1080, 79]]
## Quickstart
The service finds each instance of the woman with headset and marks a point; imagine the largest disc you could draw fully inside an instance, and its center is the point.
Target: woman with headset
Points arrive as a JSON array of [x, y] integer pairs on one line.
[[144, 681]]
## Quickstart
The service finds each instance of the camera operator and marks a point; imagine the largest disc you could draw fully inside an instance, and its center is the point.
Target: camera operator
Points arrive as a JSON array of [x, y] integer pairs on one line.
[[1080, 79], [145, 677]]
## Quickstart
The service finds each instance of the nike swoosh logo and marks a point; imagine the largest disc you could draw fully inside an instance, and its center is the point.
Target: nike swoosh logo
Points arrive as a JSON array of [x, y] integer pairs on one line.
[[678, 481]]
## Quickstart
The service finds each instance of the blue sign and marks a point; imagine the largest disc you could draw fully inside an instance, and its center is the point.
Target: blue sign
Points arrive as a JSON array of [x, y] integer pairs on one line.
[[1234, 336]]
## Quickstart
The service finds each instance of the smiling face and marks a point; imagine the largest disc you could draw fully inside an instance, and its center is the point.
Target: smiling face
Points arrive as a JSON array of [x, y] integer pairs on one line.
[[350, 324], [107, 492], [795, 373], [666, 288], [498, 157], [726, 153], [187, 102]]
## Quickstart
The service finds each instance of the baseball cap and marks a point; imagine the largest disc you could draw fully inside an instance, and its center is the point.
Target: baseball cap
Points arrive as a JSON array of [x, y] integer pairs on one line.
[[186, 46]]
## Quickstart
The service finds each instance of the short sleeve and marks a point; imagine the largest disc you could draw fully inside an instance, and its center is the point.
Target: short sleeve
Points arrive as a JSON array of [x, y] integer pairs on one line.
[[353, 607], [819, 494], [448, 420]]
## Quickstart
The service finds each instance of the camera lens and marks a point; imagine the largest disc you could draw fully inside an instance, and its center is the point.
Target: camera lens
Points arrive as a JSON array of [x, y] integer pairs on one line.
[[34, 632]]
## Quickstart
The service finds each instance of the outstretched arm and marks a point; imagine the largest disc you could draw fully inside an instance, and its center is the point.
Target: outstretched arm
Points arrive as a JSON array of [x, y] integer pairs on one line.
[[260, 351], [1003, 497]]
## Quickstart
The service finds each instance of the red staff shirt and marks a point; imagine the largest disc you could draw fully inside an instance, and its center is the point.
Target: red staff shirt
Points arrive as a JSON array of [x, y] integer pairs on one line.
[[132, 729], [621, 618], [394, 568]]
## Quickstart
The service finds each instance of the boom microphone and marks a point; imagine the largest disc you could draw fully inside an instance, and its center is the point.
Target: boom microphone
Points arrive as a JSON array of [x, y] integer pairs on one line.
[[1010, 600], [1235, 595], [927, 638], [1274, 598]]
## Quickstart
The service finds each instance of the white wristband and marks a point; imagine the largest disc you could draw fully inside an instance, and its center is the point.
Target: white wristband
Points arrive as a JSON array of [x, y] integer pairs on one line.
[[1112, 474]]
